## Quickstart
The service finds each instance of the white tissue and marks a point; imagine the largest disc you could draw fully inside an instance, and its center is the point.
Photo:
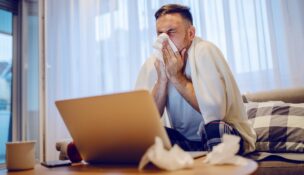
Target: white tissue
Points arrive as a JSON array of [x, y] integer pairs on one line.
[[225, 152], [158, 45], [173, 159]]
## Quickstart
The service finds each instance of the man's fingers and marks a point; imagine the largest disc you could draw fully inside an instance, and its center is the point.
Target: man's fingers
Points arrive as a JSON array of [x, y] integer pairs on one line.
[[169, 49], [159, 64], [177, 54], [165, 55]]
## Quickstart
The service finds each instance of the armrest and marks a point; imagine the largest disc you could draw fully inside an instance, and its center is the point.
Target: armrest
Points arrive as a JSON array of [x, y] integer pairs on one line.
[[295, 95]]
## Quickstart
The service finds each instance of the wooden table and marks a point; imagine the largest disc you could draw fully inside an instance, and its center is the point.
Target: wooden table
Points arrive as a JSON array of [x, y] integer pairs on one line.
[[199, 168]]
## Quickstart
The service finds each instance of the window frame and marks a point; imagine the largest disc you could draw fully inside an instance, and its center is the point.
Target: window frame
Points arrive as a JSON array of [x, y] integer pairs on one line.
[[13, 6]]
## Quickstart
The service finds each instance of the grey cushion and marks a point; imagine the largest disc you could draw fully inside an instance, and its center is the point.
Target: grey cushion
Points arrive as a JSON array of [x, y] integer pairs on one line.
[[279, 126]]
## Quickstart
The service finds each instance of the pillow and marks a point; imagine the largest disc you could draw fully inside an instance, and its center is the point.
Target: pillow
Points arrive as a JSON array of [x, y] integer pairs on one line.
[[279, 126]]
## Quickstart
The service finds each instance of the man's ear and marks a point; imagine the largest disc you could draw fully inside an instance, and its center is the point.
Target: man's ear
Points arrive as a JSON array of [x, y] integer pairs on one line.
[[191, 32]]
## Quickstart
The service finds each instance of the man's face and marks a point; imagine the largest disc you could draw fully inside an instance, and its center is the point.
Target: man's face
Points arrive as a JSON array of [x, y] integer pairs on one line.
[[180, 31]]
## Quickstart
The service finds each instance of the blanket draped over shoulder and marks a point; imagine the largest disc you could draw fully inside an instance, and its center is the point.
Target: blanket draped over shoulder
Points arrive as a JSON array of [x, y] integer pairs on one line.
[[215, 88]]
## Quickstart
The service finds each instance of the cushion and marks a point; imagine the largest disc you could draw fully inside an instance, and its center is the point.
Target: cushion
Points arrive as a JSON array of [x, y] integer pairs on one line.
[[279, 126]]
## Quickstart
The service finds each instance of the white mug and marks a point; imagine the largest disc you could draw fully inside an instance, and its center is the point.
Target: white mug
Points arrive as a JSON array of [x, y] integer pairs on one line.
[[20, 155]]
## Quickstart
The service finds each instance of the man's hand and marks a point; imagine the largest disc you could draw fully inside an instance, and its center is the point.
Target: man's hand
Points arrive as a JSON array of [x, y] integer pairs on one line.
[[159, 91], [174, 62], [174, 66]]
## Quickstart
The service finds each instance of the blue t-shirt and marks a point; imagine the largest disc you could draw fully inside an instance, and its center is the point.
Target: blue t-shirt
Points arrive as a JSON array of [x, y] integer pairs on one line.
[[182, 116]]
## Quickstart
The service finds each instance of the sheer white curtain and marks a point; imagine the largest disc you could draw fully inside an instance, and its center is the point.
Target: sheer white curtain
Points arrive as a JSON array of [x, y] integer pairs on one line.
[[97, 46], [262, 40]]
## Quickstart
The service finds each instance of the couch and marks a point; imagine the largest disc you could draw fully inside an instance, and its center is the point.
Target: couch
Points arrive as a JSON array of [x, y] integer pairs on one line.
[[273, 160]]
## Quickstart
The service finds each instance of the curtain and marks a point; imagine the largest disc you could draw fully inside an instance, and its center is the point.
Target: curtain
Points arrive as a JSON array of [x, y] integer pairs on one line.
[[95, 47]]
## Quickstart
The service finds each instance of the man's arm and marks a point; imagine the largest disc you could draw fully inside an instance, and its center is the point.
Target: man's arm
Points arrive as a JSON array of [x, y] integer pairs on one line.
[[186, 89], [159, 91], [175, 63]]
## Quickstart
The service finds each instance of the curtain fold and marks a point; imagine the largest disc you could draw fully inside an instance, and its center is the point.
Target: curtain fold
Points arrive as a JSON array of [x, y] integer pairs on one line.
[[97, 46]]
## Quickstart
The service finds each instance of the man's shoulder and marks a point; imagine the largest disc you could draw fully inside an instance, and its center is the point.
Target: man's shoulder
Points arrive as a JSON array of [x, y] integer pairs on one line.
[[203, 44], [204, 49]]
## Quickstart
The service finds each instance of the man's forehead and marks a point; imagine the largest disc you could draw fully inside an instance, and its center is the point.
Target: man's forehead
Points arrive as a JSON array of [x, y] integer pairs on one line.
[[165, 22], [172, 17]]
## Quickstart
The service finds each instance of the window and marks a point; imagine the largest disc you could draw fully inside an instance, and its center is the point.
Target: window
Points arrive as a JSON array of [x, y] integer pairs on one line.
[[6, 56], [19, 92]]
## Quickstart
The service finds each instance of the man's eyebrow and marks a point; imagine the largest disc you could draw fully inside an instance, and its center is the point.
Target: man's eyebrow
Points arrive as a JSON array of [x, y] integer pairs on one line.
[[170, 30]]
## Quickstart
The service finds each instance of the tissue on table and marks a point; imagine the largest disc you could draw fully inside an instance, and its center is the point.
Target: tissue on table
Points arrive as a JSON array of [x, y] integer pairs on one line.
[[158, 45], [173, 159], [225, 152]]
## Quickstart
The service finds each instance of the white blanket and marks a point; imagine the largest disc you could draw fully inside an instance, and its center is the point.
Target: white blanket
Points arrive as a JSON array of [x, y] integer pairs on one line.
[[214, 85]]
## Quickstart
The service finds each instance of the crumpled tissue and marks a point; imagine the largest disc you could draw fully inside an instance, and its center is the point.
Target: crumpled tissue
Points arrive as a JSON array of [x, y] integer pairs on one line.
[[158, 45], [170, 160], [225, 152]]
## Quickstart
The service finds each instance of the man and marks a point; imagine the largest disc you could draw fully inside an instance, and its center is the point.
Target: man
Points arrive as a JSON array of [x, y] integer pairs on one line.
[[195, 85]]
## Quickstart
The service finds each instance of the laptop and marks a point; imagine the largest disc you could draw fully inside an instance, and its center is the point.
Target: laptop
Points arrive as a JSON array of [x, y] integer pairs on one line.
[[114, 128]]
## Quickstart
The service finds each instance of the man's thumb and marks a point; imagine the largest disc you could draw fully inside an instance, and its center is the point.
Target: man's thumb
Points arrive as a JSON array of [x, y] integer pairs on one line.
[[183, 54]]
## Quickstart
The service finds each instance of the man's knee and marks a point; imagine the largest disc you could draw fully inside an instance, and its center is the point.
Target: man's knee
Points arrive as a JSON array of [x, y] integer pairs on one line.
[[214, 132], [219, 128]]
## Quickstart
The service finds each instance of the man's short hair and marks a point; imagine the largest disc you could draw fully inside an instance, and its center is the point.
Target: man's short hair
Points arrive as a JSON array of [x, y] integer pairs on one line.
[[184, 11]]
